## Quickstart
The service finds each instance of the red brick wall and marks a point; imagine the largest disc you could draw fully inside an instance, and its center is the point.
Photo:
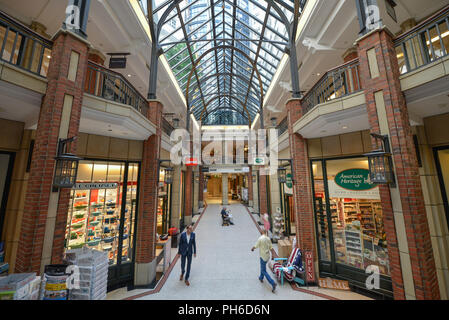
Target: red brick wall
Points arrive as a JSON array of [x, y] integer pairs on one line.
[[201, 186], [407, 173], [263, 193], [189, 192], [302, 188], [39, 188], [146, 226], [250, 185]]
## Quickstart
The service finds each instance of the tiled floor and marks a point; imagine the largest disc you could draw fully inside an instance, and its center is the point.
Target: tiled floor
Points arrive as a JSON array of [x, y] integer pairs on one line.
[[225, 267]]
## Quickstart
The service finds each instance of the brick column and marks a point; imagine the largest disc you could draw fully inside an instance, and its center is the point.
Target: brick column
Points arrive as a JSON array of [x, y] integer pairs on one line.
[[147, 215], [250, 187], [388, 114], [302, 188], [59, 118], [263, 194], [188, 196]]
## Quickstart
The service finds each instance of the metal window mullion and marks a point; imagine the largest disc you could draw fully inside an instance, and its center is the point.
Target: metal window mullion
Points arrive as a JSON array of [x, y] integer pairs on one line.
[[253, 30], [4, 41], [41, 58], [431, 45], [252, 51], [274, 15], [440, 38], [14, 47], [261, 22], [32, 55]]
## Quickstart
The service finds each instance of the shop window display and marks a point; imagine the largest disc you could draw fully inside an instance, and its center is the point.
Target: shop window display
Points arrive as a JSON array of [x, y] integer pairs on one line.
[[353, 212], [97, 209]]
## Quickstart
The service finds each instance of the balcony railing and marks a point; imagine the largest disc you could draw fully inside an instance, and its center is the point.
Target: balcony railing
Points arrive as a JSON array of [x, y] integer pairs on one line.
[[167, 127], [336, 83], [113, 86], [22, 47], [283, 126], [425, 43]]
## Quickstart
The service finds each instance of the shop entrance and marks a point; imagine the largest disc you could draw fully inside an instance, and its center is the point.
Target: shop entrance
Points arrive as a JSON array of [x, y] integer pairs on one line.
[[442, 160], [6, 166], [164, 203], [103, 215], [213, 191], [349, 222]]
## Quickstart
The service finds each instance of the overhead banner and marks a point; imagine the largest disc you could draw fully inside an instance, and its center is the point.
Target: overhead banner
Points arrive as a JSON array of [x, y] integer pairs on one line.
[[354, 184]]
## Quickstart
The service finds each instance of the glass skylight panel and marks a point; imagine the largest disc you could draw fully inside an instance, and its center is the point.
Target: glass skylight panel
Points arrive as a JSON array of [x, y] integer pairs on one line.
[[247, 26]]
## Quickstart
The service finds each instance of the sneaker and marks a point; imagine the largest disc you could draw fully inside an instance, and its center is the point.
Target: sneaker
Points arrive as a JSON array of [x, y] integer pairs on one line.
[[274, 288]]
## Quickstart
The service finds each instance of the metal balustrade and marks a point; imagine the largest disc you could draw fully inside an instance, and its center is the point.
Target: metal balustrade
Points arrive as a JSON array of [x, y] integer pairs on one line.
[[336, 83], [167, 127], [283, 126], [24, 48], [423, 44], [113, 86]]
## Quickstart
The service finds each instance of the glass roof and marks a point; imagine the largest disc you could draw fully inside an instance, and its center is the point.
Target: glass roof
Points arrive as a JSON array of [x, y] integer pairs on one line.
[[232, 38]]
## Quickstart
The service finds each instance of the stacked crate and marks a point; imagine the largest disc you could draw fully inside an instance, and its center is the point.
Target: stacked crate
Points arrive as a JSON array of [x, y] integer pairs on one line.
[[93, 269]]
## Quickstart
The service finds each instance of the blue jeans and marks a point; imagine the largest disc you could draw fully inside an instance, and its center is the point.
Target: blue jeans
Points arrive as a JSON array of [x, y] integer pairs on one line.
[[264, 273], [183, 264]]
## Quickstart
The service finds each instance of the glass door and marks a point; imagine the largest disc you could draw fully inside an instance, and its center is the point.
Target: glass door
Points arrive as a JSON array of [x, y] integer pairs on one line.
[[6, 166], [442, 160], [323, 214]]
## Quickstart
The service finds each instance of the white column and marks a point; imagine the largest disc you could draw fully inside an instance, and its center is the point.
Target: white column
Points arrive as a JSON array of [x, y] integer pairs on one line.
[[224, 180]]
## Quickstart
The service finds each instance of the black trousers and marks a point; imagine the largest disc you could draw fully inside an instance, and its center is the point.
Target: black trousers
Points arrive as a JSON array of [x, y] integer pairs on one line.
[[183, 264]]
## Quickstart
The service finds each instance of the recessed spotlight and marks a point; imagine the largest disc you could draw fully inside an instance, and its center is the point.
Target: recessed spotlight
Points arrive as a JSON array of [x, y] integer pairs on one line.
[[318, 74], [129, 76], [345, 127]]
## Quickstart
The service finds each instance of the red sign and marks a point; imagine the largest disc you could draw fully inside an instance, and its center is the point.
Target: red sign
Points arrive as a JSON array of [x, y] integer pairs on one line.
[[310, 269], [191, 162]]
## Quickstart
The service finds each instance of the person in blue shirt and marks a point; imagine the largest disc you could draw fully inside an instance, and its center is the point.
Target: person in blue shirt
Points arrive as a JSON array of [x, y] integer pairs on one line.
[[225, 216], [187, 248]]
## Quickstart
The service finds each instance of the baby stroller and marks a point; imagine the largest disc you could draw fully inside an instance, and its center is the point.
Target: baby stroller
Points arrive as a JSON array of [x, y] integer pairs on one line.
[[291, 269]]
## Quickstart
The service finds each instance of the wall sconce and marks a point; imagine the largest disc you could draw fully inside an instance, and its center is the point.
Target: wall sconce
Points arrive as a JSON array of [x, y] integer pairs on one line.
[[66, 166], [168, 177], [176, 123], [282, 175], [381, 163], [274, 121]]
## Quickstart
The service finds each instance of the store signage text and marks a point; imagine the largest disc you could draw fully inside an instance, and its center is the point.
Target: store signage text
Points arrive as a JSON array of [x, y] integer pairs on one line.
[[310, 269], [91, 186], [330, 283], [354, 179], [289, 182]]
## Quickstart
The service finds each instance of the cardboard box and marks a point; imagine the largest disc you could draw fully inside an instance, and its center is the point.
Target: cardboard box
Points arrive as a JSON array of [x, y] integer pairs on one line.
[[284, 248]]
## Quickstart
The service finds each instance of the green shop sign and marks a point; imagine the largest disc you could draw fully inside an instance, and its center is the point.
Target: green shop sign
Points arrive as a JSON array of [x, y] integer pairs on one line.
[[289, 181], [354, 179]]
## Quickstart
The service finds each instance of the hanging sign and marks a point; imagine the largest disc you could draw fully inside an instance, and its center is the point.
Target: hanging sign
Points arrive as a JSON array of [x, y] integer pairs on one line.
[[289, 181], [259, 161], [92, 186], [191, 162]]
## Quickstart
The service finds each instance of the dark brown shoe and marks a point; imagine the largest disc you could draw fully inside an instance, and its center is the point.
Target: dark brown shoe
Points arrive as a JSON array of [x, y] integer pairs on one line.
[[181, 277], [187, 283]]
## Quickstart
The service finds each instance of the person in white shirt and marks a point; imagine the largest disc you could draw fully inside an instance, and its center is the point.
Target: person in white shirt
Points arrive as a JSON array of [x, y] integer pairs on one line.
[[264, 244]]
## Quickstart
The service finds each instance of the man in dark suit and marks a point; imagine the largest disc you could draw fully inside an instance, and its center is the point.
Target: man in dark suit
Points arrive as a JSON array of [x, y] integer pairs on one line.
[[187, 247]]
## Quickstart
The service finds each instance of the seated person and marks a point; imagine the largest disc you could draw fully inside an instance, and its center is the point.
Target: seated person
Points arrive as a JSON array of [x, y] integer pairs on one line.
[[225, 216]]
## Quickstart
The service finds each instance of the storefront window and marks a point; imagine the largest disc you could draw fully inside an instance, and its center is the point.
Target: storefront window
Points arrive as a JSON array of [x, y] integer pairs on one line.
[[96, 209], [358, 233], [164, 204]]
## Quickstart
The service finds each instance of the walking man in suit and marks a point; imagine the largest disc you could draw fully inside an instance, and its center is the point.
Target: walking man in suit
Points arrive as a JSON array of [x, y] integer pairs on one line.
[[187, 248]]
